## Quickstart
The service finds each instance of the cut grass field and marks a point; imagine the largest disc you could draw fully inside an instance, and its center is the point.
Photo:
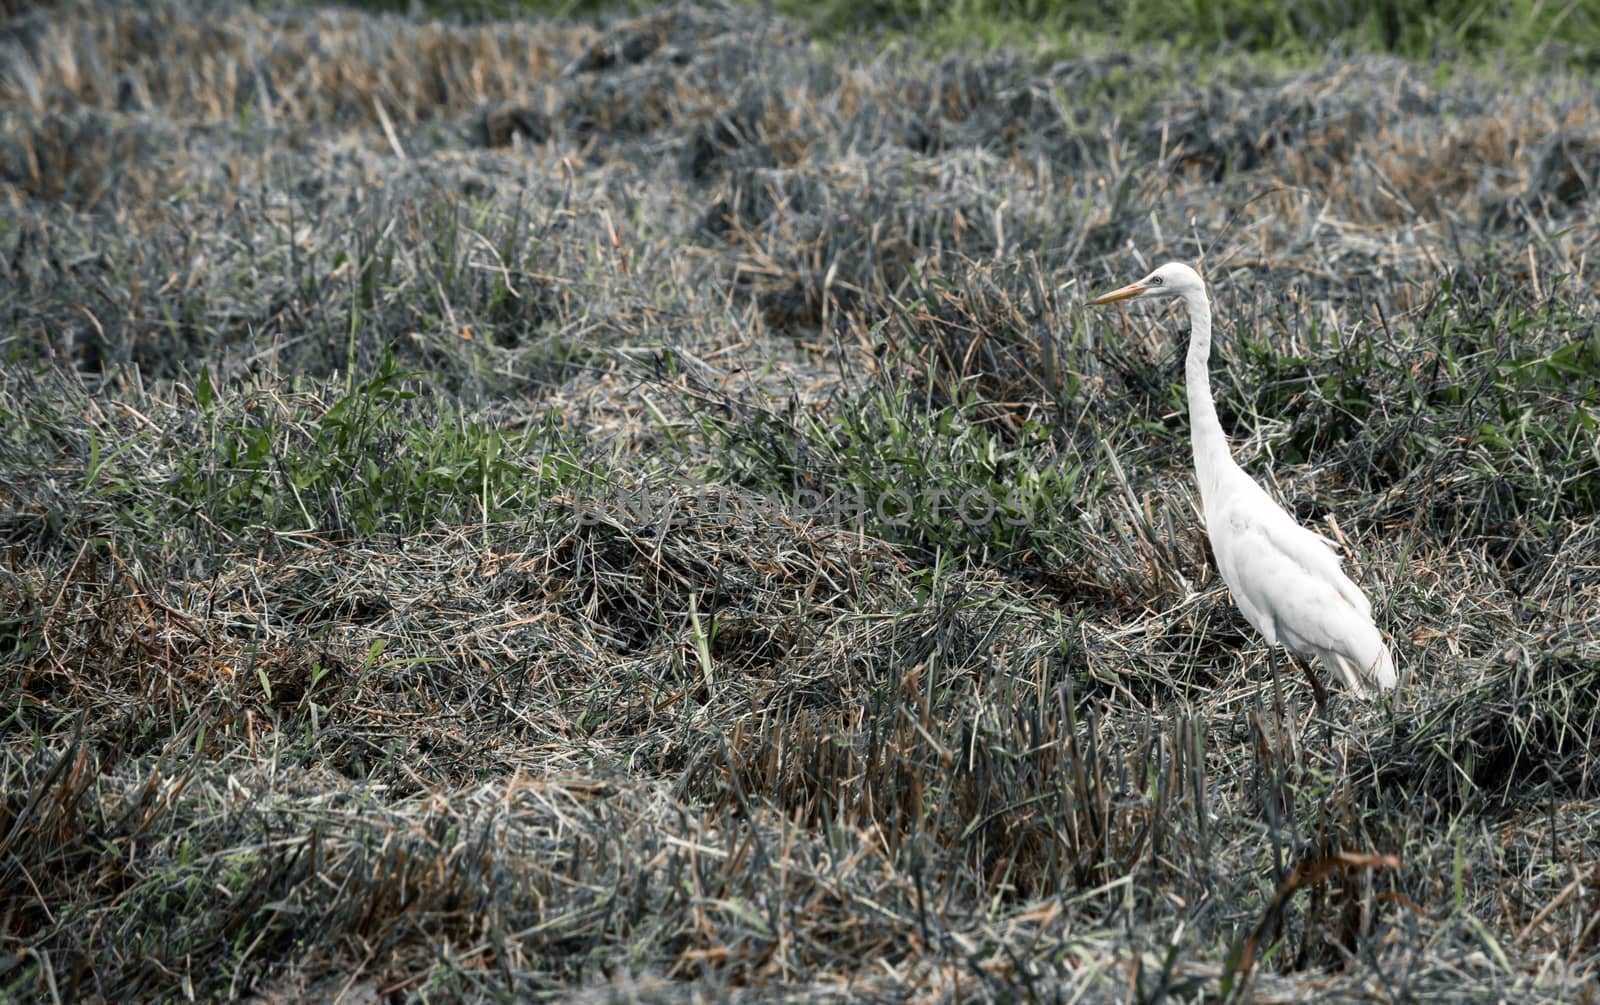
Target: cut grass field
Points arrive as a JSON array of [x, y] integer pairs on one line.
[[636, 510]]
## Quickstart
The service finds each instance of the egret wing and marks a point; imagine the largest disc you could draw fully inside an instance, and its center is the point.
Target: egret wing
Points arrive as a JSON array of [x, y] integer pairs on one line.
[[1284, 577]]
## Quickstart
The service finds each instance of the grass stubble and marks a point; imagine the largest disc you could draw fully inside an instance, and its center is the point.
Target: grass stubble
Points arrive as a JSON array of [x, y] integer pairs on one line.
[[467, 524]]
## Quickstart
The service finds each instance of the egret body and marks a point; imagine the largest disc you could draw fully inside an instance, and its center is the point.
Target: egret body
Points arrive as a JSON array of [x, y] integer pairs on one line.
[[1284, 577]]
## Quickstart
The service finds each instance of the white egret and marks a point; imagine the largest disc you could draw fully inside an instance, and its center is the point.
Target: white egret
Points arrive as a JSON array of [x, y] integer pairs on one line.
[[1284, 577]]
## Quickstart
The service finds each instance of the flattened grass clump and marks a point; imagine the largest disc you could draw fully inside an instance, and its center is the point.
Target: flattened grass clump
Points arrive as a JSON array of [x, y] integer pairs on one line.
[[635, 510]]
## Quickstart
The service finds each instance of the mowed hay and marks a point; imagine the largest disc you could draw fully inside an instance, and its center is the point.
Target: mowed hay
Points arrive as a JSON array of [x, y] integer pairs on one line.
[[488, 510]]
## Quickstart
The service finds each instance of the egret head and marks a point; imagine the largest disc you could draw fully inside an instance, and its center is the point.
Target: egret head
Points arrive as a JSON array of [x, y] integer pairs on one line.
[[1173, 279]]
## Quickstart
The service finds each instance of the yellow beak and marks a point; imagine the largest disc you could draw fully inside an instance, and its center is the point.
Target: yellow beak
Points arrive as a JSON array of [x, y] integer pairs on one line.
[[1131, 290]]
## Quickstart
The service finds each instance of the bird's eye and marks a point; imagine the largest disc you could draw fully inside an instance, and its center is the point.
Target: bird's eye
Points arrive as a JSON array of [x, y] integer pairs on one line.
[[1155, 280]]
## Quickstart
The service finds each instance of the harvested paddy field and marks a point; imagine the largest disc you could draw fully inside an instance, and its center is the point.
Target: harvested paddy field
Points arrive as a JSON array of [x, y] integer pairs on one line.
[[637, 510]]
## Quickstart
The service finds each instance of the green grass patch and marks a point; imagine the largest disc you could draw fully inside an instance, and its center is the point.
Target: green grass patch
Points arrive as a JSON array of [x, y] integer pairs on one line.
[[1522, 31], [1527, 33], [1501, 388], [370, 462]]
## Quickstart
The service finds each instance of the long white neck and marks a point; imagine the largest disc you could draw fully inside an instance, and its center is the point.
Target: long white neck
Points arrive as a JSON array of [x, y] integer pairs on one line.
[[1211, 455]]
